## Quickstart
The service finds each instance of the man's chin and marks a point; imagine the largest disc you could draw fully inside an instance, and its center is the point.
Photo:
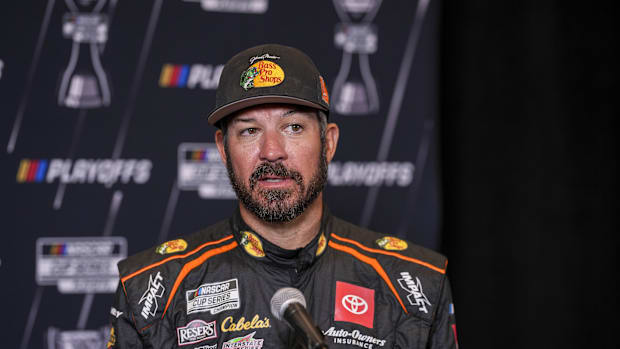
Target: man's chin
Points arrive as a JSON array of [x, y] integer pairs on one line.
[[280, 204]]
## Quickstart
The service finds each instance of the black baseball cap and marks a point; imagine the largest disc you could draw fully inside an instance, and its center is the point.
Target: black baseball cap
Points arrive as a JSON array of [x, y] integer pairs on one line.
[[269, 73]]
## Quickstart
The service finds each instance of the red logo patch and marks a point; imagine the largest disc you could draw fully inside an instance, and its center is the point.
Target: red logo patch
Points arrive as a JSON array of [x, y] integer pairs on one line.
[[324, 93], [354, 304]]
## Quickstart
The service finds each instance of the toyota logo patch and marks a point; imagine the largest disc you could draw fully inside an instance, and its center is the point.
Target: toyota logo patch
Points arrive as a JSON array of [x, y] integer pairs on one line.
[[354, 304]]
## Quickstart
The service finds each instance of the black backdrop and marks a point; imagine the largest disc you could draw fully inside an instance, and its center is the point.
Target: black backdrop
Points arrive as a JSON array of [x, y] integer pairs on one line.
[[529, 149]]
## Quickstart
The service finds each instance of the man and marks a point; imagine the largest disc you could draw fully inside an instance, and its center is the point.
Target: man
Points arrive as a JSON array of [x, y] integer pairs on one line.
[[212, 289]]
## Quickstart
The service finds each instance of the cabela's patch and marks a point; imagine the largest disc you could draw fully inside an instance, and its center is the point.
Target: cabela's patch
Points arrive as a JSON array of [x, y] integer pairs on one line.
[[252, 244], [171, 246], [391, 243], [262, 74]]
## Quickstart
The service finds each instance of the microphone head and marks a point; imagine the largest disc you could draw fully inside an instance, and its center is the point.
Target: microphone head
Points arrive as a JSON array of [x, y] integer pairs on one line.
[[283, 298]]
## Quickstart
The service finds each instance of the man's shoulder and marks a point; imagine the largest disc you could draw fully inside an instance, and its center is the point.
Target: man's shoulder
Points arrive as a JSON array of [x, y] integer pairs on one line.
[[414, 274], [152, 277], [176, 250], [387, 245]]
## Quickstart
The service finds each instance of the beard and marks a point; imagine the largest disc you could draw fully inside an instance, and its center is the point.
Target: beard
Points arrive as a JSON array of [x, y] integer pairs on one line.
[[278, 205]]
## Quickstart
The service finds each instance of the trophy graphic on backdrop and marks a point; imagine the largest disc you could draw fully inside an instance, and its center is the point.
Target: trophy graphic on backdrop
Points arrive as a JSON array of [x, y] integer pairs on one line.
[[234, 6], [84, 83], [354, 90]]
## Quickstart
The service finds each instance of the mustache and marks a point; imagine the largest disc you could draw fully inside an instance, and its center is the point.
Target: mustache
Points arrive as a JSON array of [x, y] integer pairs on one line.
[[275, 169]]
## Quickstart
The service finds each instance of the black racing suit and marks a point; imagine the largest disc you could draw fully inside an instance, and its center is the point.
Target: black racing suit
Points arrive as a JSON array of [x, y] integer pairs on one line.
[[213, 289]]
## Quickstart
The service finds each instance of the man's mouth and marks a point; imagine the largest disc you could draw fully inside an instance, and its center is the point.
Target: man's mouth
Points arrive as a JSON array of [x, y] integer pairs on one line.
[[274, 176], [273, 179]]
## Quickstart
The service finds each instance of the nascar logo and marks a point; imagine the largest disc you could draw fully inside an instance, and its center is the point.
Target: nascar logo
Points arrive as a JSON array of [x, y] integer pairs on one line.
[[81, 248], [200, 168], [103, 171], [206, 76], [31, 171]]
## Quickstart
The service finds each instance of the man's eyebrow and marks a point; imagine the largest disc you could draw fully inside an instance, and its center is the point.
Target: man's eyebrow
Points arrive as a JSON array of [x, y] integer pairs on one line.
[[295, 111], [236, 120]]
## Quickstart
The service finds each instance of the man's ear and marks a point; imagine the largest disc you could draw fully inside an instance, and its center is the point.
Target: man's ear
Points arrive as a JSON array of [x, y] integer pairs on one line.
[[219, 141], [332, 132]]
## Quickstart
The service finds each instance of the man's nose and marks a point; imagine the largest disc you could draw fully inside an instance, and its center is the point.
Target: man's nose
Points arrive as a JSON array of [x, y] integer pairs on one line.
[[272, 147]]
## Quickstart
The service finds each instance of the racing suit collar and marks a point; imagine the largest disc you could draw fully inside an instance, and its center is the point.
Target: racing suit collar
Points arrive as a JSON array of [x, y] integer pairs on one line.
[[261, 249]]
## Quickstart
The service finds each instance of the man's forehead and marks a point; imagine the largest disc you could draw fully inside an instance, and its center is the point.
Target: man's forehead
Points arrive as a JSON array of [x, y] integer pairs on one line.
[[269, 110]]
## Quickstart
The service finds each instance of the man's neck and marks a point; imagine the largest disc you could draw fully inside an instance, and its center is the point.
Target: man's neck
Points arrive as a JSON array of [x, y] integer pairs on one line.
[[289, 235]]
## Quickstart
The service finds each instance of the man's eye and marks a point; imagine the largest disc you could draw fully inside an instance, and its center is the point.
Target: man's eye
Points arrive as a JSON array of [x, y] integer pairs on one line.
[[248, 131], [295, 128]]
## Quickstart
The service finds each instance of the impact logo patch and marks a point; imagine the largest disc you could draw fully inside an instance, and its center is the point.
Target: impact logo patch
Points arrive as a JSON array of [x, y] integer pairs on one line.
[[414, 288], [262, 73], [196, 331], [354, 304], [391, 243], [149, 298], [214, 297], [171, 246]]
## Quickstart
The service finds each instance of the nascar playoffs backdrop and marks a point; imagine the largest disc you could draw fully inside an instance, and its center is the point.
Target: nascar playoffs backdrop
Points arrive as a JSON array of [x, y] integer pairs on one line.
[[106, 149]]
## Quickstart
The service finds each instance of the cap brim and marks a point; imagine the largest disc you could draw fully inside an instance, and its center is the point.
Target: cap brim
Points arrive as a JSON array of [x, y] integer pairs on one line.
[[230, 108]]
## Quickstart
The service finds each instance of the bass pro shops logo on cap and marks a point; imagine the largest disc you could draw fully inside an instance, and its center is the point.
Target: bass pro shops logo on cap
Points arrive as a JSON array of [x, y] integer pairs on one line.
[[262, 73]]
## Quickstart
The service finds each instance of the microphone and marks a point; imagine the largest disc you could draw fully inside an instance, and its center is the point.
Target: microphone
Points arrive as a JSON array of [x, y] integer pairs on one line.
[[288, 303]]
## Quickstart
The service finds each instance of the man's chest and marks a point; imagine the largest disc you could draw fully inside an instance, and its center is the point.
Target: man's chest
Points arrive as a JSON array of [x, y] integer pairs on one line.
[[230, 307]]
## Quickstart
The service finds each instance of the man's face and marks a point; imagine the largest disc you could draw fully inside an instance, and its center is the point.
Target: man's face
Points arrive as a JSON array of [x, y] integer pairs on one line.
[[276, 160]]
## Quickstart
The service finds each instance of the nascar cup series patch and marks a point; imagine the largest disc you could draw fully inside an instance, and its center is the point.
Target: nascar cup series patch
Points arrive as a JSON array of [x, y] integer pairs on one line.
[[171, 246], [262, 73], [391, 243], [252, 244]]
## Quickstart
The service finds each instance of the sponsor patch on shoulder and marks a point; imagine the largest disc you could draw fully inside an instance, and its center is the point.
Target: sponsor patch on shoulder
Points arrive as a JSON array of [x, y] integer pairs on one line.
[[391, 243], [171, 246], [252, 244], [321, 245]]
